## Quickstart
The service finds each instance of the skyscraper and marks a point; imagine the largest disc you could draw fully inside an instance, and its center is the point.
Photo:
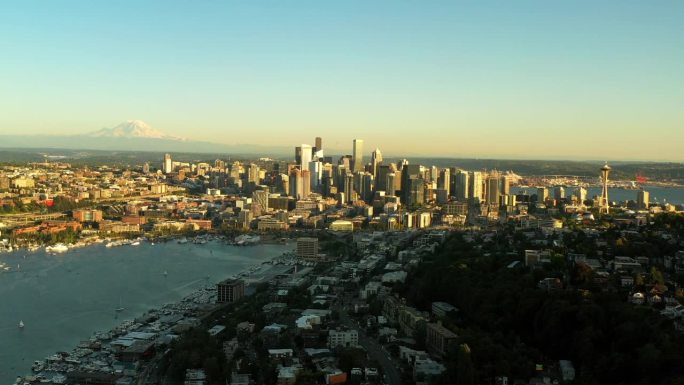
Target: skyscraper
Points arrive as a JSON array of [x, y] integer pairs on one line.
[[444, 180], [376, 159], [319, 143], [305, 157], [357, 155], [167, 167], [349, 187], [643, 200], [542, 194], [316, 169], [492, 195], [461, 185], [390, 183], [581, 195], [559, 193], [475, 186]]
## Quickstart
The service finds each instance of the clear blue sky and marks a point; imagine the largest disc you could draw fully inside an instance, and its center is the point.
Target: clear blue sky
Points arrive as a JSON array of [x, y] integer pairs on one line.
[[508, 78]]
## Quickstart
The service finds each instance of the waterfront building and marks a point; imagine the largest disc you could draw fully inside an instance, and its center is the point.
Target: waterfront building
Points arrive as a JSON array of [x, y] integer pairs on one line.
[[87, 215], [307, 248], [230, 290], [643, 199], [542, 194]]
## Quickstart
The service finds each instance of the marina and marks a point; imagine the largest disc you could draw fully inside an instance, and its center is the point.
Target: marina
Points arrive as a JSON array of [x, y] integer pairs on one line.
[[89, 293]]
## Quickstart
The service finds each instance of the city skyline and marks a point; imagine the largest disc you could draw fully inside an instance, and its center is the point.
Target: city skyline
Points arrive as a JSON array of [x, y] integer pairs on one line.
[[530, 80]]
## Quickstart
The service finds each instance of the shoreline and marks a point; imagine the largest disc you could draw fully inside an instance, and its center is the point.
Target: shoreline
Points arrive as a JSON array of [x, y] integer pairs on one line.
[[197, 301]]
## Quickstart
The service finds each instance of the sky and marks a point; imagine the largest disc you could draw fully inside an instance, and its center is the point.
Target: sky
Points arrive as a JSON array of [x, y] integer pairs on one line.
[[508, 79]]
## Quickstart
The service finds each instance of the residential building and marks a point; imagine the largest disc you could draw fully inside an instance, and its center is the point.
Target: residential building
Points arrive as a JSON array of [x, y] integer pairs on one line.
[[230, 290]]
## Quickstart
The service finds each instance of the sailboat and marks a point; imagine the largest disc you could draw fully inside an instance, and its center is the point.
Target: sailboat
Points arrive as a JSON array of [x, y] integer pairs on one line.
[[119, 309], [21, 324]]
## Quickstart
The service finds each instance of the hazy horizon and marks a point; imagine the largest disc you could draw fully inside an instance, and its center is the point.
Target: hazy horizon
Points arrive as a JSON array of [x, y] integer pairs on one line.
[[502, 80]]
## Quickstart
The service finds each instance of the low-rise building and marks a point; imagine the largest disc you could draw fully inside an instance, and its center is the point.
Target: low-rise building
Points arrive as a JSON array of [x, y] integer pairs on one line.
[[342, 338]]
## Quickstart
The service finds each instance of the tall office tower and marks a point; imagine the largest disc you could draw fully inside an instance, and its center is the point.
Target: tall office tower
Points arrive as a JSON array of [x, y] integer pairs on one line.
[[363, 184], [381, 177], [492, 186], [327, 180], [319, 143], [376, 160], [433, 174], [444, 180], [296, 183], [167, 166], [349, 187], [505, 185], [397, 181], [339, 176], [643, 200], [475, 186], [357, 153], [316, 170], [390, 190], [542, 194], [146, 168], [410, 171], [235, 170], [306, 184], [345, 161], [260, 199], [604, 205], [559, 193], [283, 184], [219, 164], [306, 157], [415, 191], [581, 194], [253, 174], [298, 155], [461, 186]]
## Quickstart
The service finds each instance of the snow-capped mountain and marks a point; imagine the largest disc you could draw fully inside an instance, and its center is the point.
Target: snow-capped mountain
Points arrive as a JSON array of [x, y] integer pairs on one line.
[[132, 129]]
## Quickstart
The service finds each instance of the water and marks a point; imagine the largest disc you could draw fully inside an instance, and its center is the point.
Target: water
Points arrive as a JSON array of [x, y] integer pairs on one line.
[[62, 299], [673, 195]]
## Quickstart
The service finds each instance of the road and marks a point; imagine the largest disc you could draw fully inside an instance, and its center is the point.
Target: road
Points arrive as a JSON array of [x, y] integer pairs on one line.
[[374, 349]]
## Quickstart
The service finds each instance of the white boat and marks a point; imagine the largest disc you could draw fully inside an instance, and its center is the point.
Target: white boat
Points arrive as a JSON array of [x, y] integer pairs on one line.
[[21, 324], [58, 248], [136, 243], [120, 308]]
